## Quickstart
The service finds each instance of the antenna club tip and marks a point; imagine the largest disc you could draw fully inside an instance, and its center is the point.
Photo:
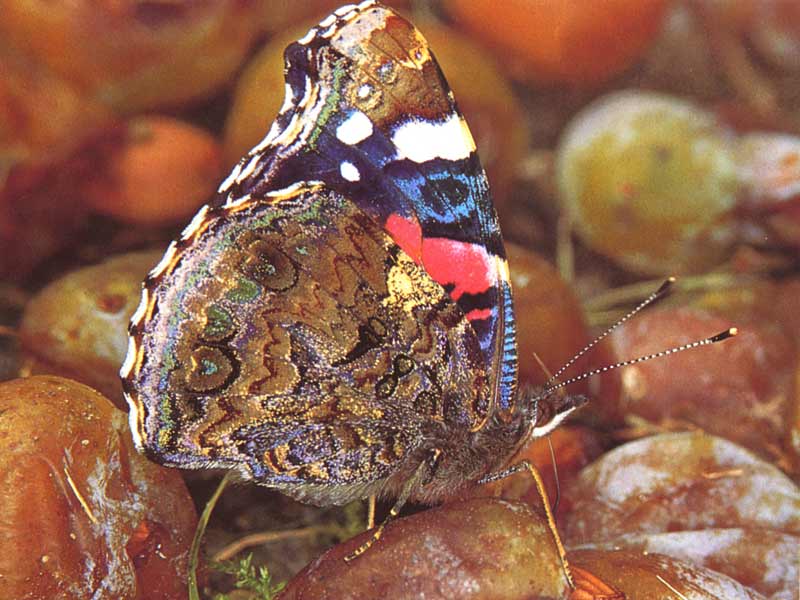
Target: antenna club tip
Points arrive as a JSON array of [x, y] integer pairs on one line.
[[672, 279], [724, 335], [665, 286]]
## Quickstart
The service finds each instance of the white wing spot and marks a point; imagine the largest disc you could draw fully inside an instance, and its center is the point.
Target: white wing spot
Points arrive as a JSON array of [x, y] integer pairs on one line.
[[421, 141], [364, 91], [133, 422], [502, 269], [293, 189], [268, 139], [233, 203], [349, 171], [309, 88], [356, 128]]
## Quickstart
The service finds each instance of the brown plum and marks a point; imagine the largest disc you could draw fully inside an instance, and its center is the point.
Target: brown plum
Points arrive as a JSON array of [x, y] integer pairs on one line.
[[563, 41], [134, 55], [741, 389], [677, 482], [163, 171], [475, 549], [85, 514], [655, 576], [762, 559], [77, 325]]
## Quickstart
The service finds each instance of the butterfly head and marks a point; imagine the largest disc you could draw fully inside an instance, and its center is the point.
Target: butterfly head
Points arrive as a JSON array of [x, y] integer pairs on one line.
[[547, 409]]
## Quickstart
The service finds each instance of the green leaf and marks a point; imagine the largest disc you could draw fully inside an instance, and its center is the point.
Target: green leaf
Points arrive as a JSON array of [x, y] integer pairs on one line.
[[248, 577]]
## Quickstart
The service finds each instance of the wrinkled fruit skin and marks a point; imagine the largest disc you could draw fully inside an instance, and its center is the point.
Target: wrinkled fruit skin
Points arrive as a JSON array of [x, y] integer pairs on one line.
[[476, 549], [642, 577], [85, 514], [677, 482], [711, 511], [765, 560]]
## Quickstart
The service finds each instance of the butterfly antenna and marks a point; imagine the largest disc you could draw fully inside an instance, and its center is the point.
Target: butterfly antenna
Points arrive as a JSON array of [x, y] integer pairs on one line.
[[721, 336], [663, 289]]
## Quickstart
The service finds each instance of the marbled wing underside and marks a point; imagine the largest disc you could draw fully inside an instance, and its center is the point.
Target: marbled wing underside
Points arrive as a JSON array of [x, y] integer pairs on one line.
[[292, 338], [368, 112]]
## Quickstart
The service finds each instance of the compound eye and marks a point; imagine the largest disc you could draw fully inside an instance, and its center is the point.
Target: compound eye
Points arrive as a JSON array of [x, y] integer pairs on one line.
[[544, 412]]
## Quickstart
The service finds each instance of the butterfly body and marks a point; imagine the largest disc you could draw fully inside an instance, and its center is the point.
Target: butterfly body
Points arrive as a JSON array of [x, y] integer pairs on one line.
[[339, 323]]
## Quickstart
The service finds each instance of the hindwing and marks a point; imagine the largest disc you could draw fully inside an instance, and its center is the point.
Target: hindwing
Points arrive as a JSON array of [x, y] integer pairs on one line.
[[291, 338]]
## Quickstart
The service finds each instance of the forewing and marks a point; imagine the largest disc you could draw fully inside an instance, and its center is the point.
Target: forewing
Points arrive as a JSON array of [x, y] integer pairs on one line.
[[368, 112], [292, 338]]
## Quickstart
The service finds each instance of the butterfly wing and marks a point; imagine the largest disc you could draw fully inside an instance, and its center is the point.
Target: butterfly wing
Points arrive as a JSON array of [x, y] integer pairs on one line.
[[369, 113], [291, 338]]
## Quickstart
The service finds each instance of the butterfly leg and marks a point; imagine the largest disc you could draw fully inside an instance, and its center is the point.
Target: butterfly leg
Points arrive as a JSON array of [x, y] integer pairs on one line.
[[418, 476], [551, 522], [371, 512]]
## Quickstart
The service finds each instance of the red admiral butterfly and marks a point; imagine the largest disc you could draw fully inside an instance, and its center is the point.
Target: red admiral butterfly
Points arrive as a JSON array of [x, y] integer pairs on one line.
[[339, 324]]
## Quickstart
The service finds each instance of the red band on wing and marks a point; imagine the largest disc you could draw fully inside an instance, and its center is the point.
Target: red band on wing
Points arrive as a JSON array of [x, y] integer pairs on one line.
[[408, 235], [478, 314], [468, 266]]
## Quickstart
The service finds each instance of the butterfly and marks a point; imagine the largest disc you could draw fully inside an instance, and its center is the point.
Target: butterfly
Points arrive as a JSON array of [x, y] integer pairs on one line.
[[339, 323]]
